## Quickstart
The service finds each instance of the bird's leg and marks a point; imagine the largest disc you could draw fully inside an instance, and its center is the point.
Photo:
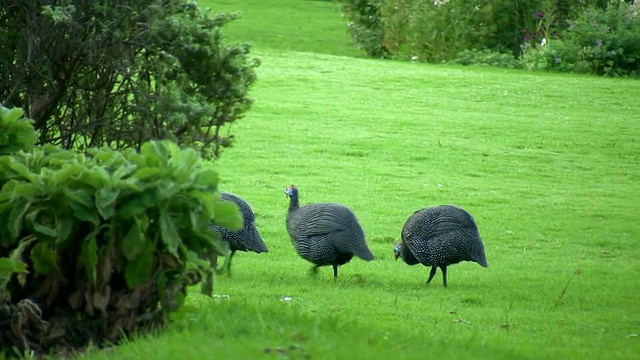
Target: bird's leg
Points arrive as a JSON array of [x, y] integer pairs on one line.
[[444, 275], [432, 273], [335, 272], [228, 263], [314, 270]]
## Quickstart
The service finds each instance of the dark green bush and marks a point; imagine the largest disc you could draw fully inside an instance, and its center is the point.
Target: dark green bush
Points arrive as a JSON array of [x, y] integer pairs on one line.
[[433, 31], [121, 73], [452, 30], [487, 57], [365, 26], [555, 55], [600, 41], [609, 40]]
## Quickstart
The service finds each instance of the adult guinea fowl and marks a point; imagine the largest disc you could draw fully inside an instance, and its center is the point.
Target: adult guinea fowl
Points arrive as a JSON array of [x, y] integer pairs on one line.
[[245, 239], [325, 233], [438, 237]]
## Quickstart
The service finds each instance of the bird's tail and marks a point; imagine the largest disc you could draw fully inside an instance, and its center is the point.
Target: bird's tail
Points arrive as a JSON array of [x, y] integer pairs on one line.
[[364, 253], [482, 261]]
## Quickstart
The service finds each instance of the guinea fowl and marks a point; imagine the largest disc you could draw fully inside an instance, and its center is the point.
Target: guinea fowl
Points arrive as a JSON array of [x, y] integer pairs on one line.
[[438, 237], [245, 239], [325, 233]]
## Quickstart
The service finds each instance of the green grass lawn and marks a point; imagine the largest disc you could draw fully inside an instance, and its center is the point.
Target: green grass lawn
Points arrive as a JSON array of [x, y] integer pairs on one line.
[[549, 165], [288, 25]]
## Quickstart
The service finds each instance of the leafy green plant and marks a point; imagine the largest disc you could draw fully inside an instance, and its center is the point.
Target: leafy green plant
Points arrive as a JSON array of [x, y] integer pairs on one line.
[[16, 132], [111, 240]]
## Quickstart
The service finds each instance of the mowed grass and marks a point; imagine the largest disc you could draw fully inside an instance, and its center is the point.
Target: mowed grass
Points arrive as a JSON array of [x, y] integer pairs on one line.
[[549, 165], [288, 25]]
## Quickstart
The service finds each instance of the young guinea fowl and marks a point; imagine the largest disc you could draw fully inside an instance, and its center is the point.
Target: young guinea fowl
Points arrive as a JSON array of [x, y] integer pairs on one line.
[[325, 233], [438, 237], [247, 238]]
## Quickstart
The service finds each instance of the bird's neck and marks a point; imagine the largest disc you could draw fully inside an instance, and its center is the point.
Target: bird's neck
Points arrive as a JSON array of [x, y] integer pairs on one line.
[[293, 204]]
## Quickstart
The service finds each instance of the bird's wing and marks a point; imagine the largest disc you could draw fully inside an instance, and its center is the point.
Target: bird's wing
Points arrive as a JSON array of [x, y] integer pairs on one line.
[[451, 219], [325, 219]]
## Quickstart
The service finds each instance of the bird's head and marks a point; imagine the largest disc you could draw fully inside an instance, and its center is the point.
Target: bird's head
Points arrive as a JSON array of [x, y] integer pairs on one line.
[[397, 248], [291, 191]]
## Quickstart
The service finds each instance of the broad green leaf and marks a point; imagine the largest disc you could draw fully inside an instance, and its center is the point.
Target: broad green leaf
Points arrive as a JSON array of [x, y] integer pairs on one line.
[[207, 178], [8, 187], [102, 154], [227, 215], [139, 271], [24, 171], [137, 204], [64, 226], [89, 253], [23, 189], [130, 184], [184, 162], [196, 219], [84, 213], [154, 153], [96, 177], [45, 230], [11, 115], [31, 216], [166, 188], [5, 206], [169, 234], [16, 218], [133, 242], [124, 171], [79, 196], [66, 159], [62, 175], [105, 198], [44, 258], [11, 266], [147, 172], [206, 199]]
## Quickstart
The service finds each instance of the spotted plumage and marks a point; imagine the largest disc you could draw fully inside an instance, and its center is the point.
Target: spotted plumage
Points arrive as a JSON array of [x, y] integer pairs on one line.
[[325, 233], [440, 236], [245, 239]]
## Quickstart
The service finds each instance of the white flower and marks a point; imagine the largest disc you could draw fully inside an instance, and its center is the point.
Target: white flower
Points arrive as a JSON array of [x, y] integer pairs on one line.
[[543, 42]]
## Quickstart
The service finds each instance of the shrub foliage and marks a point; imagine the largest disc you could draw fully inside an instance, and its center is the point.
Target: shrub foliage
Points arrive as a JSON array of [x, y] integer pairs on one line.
[[99, 245], [16, 132], [599, 41], [590, 36], [365, 26], [117, 74]]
